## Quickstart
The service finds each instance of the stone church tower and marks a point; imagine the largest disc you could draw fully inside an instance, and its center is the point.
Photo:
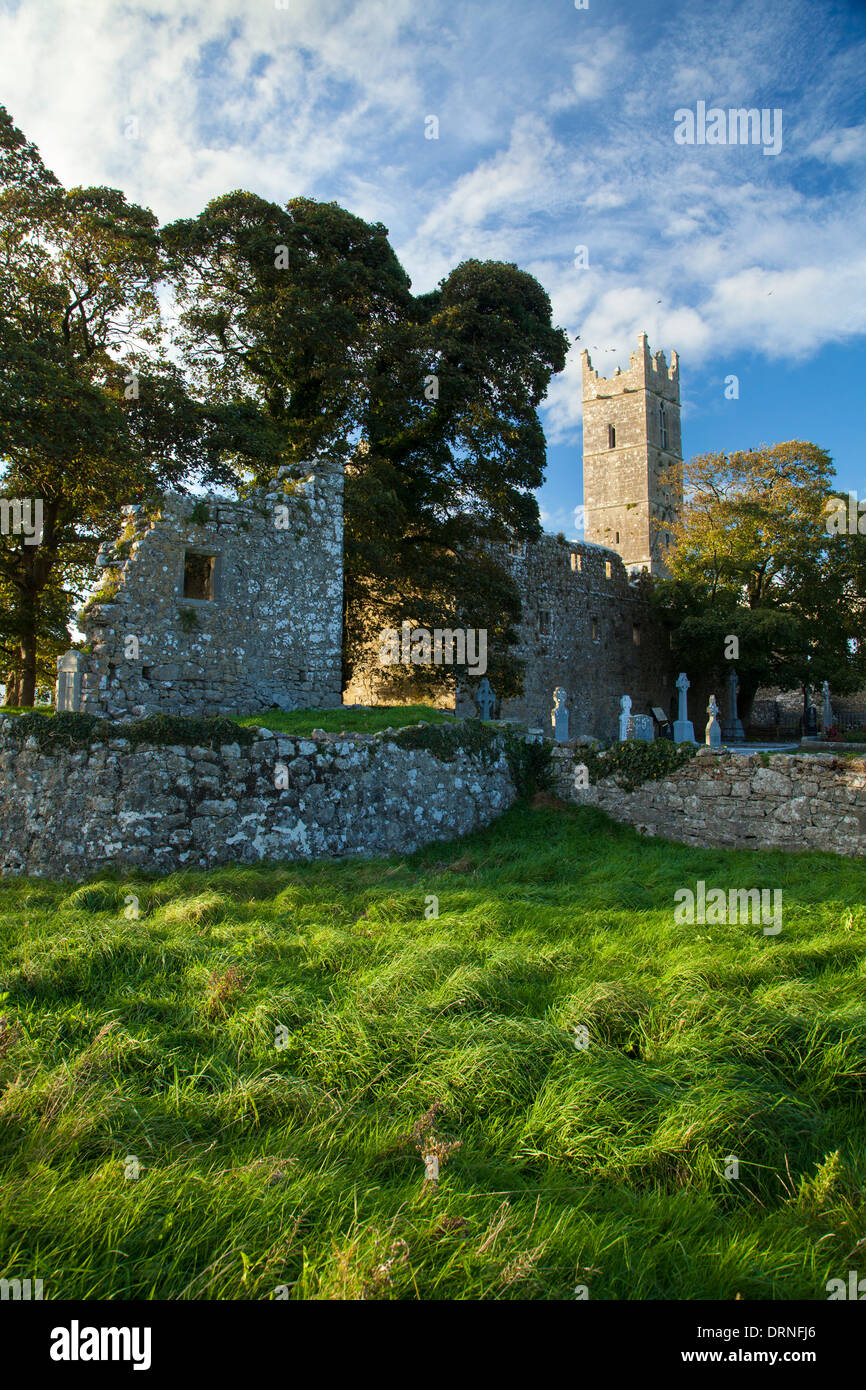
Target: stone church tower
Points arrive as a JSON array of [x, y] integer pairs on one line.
[[631, 436]]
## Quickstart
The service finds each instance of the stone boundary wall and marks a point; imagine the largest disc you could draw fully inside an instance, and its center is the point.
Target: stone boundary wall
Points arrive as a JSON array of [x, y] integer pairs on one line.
[[115, 806], [734, 800]]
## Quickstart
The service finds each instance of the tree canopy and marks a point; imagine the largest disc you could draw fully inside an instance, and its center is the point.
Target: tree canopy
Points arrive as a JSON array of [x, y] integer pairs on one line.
[[92, 414], [755, 559], [431, 400]]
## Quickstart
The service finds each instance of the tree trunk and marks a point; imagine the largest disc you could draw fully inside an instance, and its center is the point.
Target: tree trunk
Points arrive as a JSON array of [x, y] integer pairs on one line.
[[27, 649], [13, 689]]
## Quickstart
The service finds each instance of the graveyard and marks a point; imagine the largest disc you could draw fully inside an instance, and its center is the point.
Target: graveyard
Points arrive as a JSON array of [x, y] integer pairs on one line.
[[432, 670]]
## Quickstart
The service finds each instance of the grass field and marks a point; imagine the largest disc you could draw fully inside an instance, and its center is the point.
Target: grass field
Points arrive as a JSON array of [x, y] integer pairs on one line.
[[362, 720], [301, 1167]]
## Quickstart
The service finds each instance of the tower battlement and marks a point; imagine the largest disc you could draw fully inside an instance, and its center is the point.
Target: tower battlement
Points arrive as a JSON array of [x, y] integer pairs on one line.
[[646, 369], [631, 438]]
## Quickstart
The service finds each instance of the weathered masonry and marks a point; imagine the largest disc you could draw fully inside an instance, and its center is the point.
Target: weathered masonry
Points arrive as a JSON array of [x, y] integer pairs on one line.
[[215, 607], [737, 801], [631, 438], [589, 630], [70, 812]]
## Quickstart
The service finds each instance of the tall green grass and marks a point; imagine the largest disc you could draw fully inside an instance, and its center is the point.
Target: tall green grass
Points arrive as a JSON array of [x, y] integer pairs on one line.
[[300, 1168]]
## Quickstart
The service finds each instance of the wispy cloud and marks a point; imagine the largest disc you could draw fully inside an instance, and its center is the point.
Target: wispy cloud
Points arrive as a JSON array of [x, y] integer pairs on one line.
[[556, 130]]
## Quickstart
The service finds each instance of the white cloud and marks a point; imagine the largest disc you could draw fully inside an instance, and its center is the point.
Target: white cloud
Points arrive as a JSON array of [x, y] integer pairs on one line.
[[595, 71], [551, 137], [844, 146]]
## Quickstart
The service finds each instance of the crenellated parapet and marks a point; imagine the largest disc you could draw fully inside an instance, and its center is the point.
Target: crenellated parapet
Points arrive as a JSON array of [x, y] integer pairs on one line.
[[646, 370]]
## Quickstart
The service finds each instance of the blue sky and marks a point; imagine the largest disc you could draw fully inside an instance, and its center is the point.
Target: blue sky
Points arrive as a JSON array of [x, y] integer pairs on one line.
[[556, 129]]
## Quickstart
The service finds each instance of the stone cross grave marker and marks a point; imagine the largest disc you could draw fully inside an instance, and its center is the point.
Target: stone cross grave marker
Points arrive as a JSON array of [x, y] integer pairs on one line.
[[733, 731], [624, 718], [828, 708], [714, 732], [559, 715], [810, 721], [485, 699], [683, 728]]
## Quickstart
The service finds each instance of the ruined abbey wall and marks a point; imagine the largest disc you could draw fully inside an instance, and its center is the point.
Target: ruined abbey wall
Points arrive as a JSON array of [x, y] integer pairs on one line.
[[586, 628], [214, 607]]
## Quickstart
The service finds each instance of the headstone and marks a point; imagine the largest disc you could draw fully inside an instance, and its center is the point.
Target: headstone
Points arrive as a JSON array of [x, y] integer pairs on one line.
[[624, 718], [714, 732], [643, 727], [67, 692], [683, 729], [733, 731], [828, 708], [559, 715], [810, 720], [485, 699]]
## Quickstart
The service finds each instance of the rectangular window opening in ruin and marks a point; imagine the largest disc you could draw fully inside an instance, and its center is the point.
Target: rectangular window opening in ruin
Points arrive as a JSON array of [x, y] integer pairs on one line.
[[545, 622], [608, 568], [595, 629], [198, 576], [611, 437], [576, 563], [635, 635]]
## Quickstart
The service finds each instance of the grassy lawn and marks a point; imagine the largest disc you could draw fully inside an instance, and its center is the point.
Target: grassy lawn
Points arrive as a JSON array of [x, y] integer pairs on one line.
[[366, 720], [301, 1165]]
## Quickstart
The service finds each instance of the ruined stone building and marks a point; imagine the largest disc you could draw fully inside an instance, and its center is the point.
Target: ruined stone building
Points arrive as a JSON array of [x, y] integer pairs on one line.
[[208, 606], [586, 623], [587, 628], [631, 439], [217, 607]]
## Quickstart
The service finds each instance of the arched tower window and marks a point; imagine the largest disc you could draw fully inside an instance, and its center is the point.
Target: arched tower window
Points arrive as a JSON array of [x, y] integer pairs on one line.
[[663, 425]]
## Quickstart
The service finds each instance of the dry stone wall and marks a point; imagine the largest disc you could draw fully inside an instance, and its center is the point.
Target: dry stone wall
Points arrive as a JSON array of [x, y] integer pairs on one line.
[[115, 805], [739, 801]]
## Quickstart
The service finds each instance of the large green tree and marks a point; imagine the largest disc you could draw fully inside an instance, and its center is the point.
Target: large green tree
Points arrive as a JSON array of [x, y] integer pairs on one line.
[[755, 560], [91, 413], [431, 401]]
